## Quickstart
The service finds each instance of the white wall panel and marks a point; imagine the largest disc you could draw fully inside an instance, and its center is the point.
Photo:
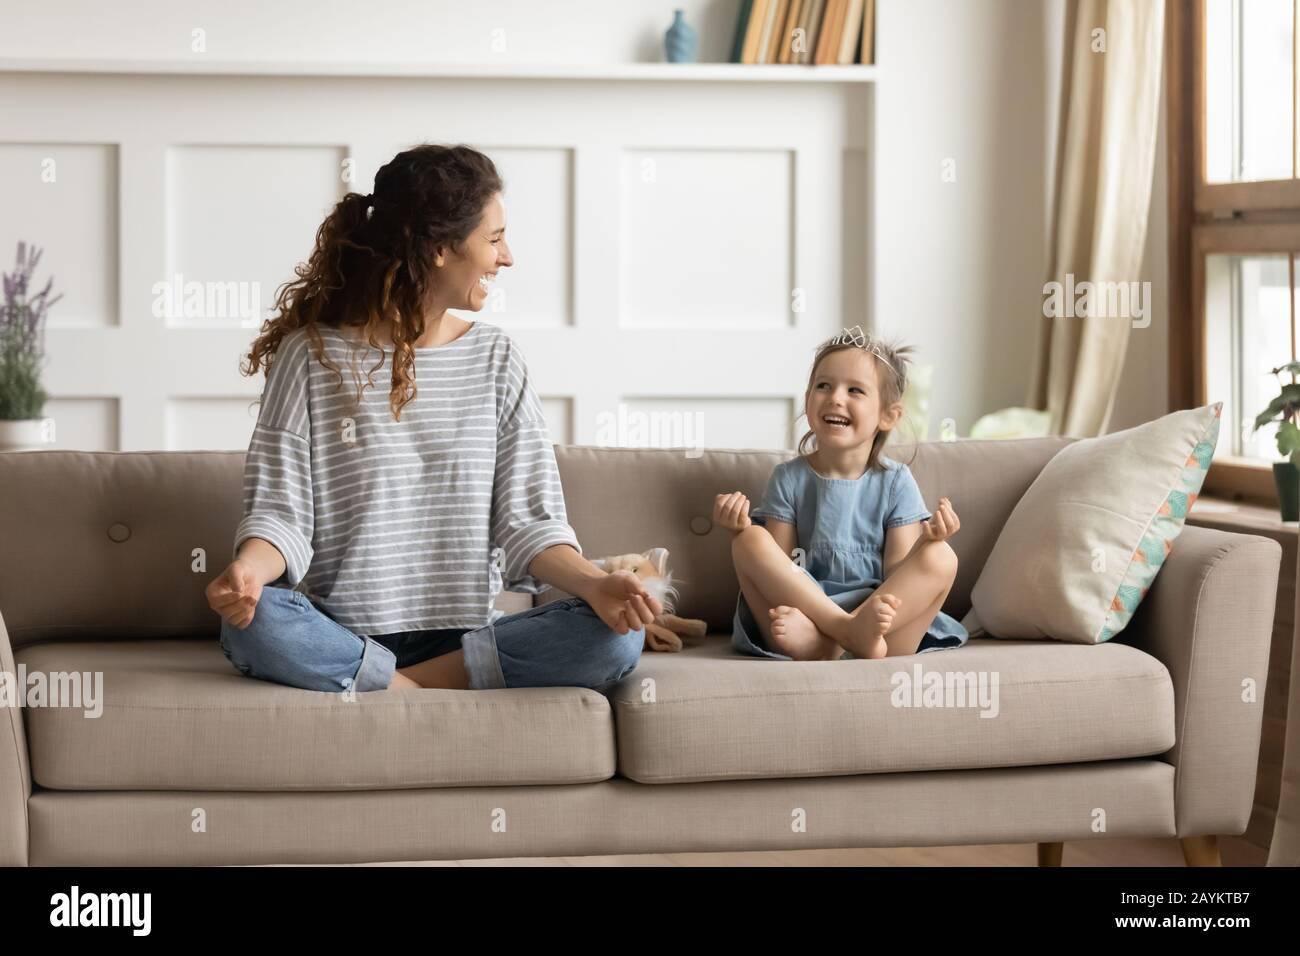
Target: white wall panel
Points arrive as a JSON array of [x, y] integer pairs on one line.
[[701, 422], [206, 424], [707, 238], [683, 289], [63, 198], [238, 219], [538, 289], [84, 424], [559, 419]]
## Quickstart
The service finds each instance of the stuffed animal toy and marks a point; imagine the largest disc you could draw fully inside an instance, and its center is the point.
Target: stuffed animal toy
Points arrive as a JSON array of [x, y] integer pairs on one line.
[[665, 634]]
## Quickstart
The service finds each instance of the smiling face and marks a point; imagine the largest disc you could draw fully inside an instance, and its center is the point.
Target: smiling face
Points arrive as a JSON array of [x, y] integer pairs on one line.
[[843, 403], [463, 279]]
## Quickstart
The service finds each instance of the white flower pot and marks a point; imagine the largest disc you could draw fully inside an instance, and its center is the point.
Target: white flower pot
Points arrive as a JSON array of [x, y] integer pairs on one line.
[[26, 434]]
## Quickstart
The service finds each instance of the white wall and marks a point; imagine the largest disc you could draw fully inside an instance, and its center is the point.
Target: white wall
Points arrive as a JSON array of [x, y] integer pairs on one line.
[[658, 228], [584, 31], [959, 266]]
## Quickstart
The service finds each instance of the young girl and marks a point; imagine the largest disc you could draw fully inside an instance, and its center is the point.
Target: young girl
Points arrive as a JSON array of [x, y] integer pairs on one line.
[[876, 566]]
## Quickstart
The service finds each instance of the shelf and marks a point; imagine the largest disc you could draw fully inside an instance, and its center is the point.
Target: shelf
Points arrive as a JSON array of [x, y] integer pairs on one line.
[[656, 72], [1244, 516]]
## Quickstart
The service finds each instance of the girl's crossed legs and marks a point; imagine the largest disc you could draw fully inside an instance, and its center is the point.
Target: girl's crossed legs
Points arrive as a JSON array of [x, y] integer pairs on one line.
[[800, 620]]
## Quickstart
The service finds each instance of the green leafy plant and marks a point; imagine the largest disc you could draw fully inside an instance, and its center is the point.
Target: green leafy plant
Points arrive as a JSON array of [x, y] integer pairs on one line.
[[1284, 410], [22, 339]]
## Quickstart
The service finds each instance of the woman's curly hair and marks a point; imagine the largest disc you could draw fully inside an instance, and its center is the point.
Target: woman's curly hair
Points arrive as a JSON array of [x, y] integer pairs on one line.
[[373, 261]]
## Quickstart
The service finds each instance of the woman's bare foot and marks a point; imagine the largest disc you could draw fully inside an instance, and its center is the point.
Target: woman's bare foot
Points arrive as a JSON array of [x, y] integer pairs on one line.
[[867, 626], [794, 634]]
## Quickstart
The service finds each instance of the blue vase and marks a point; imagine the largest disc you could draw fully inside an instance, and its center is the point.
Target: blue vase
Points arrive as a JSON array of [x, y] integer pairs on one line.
[[680, 41]]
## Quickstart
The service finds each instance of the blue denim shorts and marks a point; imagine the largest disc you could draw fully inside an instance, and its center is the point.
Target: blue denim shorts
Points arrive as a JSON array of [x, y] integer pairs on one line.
[[412, 647], [561, 644]]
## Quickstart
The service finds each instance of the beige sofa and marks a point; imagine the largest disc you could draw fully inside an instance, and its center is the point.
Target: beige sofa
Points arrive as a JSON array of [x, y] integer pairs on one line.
[[705, 750]]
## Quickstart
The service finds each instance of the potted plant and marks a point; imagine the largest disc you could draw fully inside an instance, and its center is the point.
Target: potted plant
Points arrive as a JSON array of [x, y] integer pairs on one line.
[[1283, 410], [22, 353]]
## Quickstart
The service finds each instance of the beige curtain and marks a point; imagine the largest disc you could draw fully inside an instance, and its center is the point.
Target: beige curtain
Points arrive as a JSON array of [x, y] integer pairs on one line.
[[1110, 108], [1284, 849]]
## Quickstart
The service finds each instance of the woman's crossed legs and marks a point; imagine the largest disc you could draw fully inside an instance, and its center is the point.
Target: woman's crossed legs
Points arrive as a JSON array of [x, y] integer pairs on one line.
[[564, 643]]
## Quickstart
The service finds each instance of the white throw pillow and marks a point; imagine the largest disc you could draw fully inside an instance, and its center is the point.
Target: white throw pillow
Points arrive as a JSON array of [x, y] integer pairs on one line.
[[1081, 548]]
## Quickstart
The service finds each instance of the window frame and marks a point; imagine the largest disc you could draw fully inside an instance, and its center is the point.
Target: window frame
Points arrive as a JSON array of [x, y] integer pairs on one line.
[[1237, 218]]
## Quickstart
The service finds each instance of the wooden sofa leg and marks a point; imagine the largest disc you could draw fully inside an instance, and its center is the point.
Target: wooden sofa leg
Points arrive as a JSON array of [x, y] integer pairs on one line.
[[1201, 850], [1049, 854]]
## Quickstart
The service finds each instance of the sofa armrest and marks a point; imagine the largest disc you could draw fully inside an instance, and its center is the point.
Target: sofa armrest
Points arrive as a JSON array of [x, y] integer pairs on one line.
[[15, 773], [1208, 618]]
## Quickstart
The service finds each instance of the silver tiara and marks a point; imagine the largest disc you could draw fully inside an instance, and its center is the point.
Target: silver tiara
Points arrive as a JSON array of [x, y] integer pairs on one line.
[[855, 336]]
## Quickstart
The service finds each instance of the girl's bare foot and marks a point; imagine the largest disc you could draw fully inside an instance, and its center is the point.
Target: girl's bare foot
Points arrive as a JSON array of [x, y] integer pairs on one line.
[[794, 634], [868, 625]]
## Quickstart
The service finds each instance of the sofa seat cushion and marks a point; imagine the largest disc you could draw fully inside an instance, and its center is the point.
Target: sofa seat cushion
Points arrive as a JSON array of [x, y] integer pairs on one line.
[[177, 716], [707, 713]]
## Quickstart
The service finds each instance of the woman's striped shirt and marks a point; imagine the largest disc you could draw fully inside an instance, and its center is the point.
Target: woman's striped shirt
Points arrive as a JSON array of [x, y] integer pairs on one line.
[[397, 526]]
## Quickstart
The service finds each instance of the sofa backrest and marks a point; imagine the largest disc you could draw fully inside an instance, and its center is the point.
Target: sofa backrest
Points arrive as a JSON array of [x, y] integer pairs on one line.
[[104, 544], [101, 545]]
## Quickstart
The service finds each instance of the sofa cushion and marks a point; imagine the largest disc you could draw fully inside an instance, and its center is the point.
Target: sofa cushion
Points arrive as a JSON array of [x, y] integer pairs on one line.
[[176, 716], [709, 714]]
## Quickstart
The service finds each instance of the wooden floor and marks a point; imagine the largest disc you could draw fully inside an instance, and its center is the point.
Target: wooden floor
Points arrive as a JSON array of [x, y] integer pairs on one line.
[[1235, 852]]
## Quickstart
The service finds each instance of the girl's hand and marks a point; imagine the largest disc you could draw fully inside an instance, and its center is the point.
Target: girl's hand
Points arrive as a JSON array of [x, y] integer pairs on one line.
[[942, 525], [235, 593], [731, 511], [622, 602]]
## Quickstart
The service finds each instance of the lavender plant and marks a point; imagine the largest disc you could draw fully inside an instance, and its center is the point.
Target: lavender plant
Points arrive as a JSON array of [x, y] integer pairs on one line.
[[22, 339]]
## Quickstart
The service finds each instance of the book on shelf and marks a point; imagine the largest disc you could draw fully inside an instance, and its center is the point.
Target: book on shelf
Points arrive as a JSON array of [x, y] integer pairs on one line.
[[769, 27], [753, 27], [828, 39], [832, 32], [867, 49], [774, 35], [811, 22], [851, 33], [787, 35], [738, 42]]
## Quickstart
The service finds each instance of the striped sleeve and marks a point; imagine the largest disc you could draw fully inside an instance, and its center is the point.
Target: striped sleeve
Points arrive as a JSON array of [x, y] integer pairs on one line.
[[528, 513], [277, 469]]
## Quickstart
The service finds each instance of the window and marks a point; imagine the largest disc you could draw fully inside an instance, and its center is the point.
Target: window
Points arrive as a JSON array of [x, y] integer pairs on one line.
[[1234, 221], [1249, 102], [1250, 327]]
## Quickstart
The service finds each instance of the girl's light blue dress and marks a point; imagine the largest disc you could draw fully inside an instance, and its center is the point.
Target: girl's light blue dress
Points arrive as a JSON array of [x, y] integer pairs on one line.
[[841, 525]]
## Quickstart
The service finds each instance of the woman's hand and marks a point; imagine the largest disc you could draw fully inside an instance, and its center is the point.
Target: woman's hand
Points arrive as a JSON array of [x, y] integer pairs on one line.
[[731, 511], [622, 602], [234, 594], [943, 524]]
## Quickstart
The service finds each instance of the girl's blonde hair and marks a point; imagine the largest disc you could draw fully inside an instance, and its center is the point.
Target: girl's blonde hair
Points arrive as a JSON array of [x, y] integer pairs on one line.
[[891, 360]]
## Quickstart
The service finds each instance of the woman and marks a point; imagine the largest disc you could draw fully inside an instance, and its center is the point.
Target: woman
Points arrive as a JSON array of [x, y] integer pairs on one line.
[[387, 523]]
